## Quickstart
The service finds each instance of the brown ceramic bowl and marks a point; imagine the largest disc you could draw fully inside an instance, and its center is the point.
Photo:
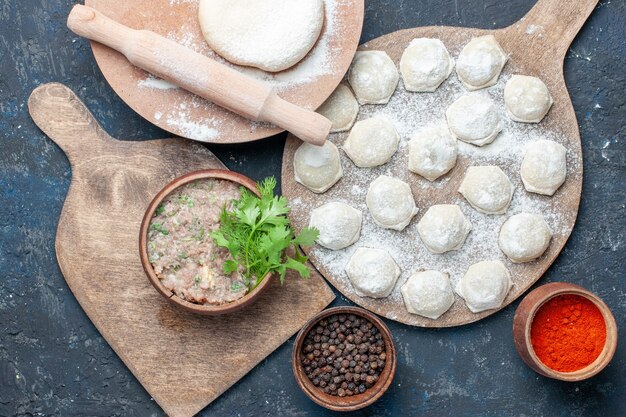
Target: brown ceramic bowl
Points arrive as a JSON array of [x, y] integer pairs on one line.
[[143, 246], [524, 317], [354, 402]]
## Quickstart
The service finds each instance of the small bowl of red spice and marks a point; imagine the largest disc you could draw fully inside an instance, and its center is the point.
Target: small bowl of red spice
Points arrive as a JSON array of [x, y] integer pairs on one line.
[[564, 332], [344, 358]]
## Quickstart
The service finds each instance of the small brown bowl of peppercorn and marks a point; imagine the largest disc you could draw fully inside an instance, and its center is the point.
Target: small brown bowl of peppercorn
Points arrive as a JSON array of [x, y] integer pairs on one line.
[[344, 358]]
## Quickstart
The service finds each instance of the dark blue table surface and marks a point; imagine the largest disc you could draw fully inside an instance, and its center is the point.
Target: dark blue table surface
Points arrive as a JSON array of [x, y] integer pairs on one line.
[[54, 362]]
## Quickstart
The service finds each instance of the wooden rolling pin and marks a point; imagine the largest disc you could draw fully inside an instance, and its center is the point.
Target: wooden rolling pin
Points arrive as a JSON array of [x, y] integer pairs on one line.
[[199, 74]]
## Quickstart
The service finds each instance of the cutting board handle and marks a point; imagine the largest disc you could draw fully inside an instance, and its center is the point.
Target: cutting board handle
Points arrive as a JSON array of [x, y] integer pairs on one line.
[[547, 30], [60, 114]]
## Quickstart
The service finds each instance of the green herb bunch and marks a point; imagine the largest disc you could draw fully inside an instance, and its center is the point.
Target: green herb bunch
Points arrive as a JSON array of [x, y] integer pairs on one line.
[[257, 233]]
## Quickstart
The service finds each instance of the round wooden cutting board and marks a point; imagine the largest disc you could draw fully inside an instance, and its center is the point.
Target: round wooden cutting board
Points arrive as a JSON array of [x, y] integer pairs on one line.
[[307, 84], [536, 46]]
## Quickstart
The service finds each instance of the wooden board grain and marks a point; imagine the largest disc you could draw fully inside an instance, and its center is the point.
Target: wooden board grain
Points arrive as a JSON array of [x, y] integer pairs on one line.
[[307, 84], [536, 46], [183, 360]]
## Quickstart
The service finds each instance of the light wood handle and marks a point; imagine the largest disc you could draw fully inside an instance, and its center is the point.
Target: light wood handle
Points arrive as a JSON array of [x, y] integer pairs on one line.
[[60, 114], [199, 74]]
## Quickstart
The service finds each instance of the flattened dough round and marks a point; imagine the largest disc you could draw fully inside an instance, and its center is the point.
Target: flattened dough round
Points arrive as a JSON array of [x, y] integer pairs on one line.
[[480, 62], [425, 64], [390, 202], [544, 167], [373, 77], [341, 108], [484, 286], [372, 142], [272, 35], [317, 167], [338, 223], [524, 237], [487, 189], [428, 293], [443, 228], [432, 152], [373, 272], [527, 99], [474, 119]]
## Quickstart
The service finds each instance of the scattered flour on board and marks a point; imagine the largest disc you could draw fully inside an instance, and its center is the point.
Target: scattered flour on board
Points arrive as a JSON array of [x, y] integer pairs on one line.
[[410, 112], [319, 62]]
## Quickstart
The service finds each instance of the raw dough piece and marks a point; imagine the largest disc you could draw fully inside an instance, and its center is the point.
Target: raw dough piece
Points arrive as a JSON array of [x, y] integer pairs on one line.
[[425, 64], [373, 272], [544, 167], [480, 62], [317, 167], [390, 202], [338, 223], [524, 237], [432, 152], [372, 142], [487, 189], [484, 286], [269, 34], [373, 77], [341, 108], [527, 99], [428, 294], [474, 119], [443, 228]]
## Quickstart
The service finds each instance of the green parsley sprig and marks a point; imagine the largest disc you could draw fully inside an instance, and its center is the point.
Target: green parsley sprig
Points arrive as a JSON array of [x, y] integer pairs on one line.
[[257, 233]]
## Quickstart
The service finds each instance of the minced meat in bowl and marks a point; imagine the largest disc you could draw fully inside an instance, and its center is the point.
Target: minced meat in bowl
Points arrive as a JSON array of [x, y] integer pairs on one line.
[[184, 256]]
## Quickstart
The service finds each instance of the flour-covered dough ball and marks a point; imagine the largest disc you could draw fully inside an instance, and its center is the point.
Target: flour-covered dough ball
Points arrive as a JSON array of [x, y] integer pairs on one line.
[[544, 167], [443, 228], [341, 108], [432, 152], [373, 77], [428, 293], [480, 62], [524, 237], [474, 119], [390, 202], [338, 223], [373, 272], [270, 35], [526, 98], [317, 167], [487, 189], [484, 286], [372, 142], [425, 64]]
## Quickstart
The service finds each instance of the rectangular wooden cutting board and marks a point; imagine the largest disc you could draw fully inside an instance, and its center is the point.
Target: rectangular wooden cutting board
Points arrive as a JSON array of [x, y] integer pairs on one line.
[[183, 360]]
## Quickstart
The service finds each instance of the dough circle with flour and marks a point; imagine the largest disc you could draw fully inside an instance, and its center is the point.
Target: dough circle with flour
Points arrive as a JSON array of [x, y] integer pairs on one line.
[[432, 152], [474, 119], [317, 167], [524, 237], [373, 77], [341, 108], [480, 62], [527, 99], [484, 286], [373, 272], [425, 64], [372, 142], [544, 167], [390, 202], [272, 35], [428, 293], [338, 223], [443, 228], [487, 189]]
